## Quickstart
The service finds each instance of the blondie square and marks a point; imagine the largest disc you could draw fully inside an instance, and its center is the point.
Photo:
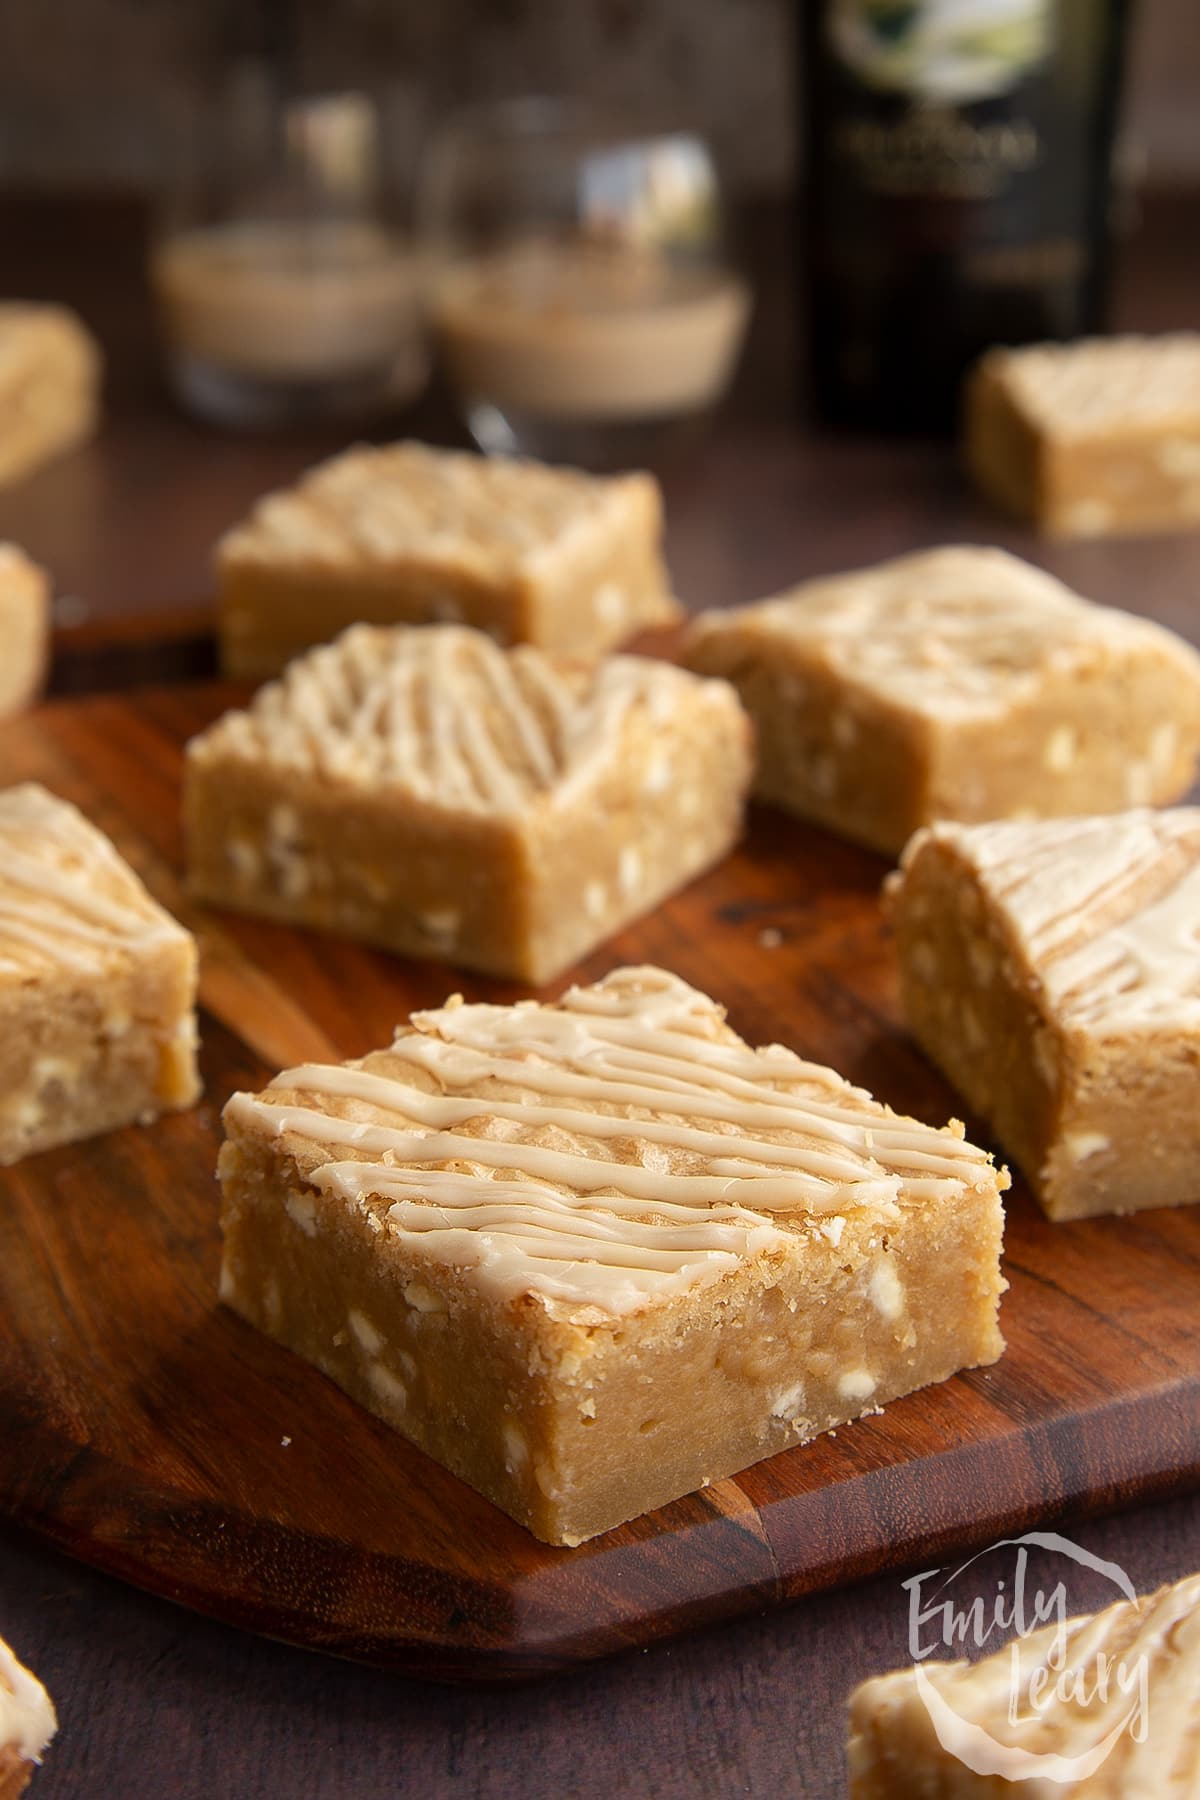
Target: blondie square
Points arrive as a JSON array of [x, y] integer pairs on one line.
[[410, 535], [423, 790], [1052, 970], [1097, 436], [1106, 1707], [958, 683], [24, 629], [97, 984], [49, 385], [592, 1256], [27, 1724]]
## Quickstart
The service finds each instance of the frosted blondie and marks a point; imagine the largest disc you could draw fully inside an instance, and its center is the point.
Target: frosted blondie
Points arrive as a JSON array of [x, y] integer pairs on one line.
[[958, 683], [1052, 970], [426, 791], [592, 1256], [50, 371], [97, 984], [1105, 1706], [27, 1724], [24, 629], [1097, 436], [410, 535]]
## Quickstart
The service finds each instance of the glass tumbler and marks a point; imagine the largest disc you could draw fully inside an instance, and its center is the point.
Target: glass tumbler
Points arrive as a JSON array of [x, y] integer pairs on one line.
[[579, 291], [286, 291]]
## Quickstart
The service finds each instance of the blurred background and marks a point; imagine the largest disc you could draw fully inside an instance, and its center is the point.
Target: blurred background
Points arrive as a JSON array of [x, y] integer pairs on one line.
[[106, 91], [749, 255]]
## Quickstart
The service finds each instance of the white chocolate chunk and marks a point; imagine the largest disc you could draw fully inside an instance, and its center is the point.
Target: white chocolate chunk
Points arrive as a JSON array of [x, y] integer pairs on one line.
[[887, 1292], [1080, 1145], [1062, 747], [363, 1332], [390, 1389], [301, 1209]]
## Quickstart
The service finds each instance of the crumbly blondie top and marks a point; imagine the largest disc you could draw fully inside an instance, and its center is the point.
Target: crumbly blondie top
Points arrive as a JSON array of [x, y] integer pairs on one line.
[[67, 898], [619, 1146], [444, 715], [955, 634], [1103, 385], [1106, 911], [493, 517]]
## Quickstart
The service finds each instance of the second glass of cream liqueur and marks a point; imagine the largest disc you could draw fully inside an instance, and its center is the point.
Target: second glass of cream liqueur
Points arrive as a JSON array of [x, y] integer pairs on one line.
[[579, 293]]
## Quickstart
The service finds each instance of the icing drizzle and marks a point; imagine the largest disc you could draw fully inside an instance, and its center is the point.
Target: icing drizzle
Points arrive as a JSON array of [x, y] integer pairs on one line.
[[955, 633], [485, 514], [1106, 384], [621, 1144], [1107, 910], [66, 895], [446, 715]]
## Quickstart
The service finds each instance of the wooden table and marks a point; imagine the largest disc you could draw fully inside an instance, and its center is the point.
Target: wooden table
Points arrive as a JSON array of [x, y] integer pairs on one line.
[[157, 1702]]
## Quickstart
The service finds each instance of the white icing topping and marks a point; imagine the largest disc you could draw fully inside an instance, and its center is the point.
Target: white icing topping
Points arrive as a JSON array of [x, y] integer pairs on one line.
[[66, 896], [1106, 909], [1072, 1692], [955, 634], [445, 715], [619, 1145], [490, 516], [1110, 385], [27, 1721]]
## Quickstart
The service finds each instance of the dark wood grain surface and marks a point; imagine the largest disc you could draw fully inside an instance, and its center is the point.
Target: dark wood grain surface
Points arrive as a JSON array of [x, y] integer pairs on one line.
[[159, 1702]]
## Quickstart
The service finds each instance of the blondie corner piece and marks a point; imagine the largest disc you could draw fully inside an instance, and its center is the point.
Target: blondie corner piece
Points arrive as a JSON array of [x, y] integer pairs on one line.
[[1102, 435], [423, 790], [959, 683], [524, 1234], [50, 371], [1105, 1706], [24, 629], [409, 535], [1052, 970], [97, 984], [27, 1724]]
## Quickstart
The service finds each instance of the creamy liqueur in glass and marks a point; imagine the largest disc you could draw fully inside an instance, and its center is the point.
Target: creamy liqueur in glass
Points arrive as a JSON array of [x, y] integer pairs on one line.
[[289, 316], [285, 290], [580, 299], [575, 334]]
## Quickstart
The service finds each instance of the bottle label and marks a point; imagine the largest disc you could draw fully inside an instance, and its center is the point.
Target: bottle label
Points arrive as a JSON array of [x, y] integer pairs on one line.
[[941, 52], [959, 101], [956, 187], [933, 150]]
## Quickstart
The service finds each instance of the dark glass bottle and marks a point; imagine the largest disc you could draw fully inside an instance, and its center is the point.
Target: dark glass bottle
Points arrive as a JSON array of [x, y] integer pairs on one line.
[[957, 186]]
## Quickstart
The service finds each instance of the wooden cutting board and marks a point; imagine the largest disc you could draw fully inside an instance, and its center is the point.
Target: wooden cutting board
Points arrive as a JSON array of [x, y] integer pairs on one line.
[[150, 1433]]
